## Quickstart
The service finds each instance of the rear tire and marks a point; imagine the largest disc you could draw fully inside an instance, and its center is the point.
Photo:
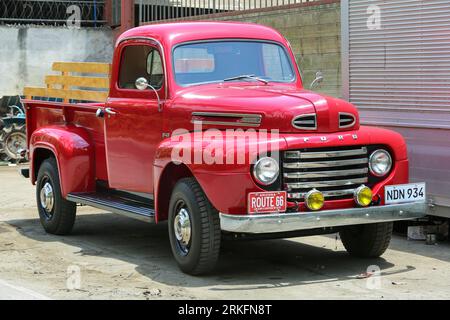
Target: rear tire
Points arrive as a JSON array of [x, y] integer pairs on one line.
[[57, 215], [367, 241], [194, 228]]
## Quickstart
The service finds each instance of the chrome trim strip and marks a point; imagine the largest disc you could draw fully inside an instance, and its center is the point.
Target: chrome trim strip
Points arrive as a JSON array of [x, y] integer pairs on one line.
[[228, 115], [324, 164], [242, 119], [325, 184], [326, 194], [346, 125], [325, 154], [284, 222], [299, 118], [220, 123], [325, 174]]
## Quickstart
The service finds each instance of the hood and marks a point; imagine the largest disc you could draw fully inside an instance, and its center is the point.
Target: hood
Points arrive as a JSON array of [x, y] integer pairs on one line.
[[285, 108]]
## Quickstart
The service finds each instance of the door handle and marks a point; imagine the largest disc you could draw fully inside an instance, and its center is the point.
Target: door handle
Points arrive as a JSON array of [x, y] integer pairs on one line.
[[110, 111]]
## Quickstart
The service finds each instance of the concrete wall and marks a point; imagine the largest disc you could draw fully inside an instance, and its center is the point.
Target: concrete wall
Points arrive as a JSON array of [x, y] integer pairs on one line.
[[27, 52], [314, 31]]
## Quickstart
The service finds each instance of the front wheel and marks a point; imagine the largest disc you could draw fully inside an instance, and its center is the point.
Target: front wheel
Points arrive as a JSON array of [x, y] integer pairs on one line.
[[368, 240], [57, 215], [194, 228]]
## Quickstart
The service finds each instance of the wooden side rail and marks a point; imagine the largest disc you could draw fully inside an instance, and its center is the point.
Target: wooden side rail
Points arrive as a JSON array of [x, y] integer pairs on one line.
[[74, 84]]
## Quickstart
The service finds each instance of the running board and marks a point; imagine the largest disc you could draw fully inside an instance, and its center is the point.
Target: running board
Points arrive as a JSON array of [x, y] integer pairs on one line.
[[143, 211]]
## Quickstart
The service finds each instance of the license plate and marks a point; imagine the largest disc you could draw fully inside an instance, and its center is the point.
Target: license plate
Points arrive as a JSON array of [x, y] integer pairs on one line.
[[404, 193], [267, 202]]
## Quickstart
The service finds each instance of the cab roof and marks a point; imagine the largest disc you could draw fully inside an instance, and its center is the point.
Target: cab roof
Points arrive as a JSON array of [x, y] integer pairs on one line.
[[170, 34]]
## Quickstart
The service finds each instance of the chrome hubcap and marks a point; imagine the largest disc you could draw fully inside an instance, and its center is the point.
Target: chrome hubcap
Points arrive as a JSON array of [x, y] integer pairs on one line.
[[182, 228], [47, 197]]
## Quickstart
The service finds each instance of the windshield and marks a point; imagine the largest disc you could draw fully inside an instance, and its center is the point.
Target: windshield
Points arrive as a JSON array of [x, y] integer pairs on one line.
[[217, 61]]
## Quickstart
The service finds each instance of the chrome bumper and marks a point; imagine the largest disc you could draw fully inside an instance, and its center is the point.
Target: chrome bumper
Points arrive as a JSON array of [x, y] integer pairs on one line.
[[284, 222]]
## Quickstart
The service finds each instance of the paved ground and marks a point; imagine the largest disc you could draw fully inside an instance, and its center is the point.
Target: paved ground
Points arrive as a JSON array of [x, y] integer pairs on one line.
[[113, 257]]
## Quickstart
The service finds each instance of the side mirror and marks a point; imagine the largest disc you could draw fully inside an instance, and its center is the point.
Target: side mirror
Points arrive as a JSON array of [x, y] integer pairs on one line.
[[142, 84], [318, 80]]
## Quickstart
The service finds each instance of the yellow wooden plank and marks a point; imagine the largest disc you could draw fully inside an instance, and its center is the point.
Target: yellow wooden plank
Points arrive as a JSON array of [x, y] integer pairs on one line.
[[86, 95], [35, 92], [98, 96], [82, 67], [72, 81]]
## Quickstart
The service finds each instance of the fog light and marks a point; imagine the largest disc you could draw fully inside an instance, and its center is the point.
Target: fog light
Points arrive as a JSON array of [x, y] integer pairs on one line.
[[314, 200], [363, 196]]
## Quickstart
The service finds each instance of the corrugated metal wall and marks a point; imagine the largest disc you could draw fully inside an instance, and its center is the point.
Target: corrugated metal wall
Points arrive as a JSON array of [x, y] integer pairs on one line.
[[396, 66]]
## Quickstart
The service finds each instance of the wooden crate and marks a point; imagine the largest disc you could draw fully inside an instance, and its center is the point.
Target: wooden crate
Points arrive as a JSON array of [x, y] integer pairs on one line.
[[74, 84]]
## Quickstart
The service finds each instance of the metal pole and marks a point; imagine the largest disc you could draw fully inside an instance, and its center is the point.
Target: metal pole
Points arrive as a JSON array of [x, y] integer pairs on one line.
[[172, 11], [141, 4], [183, 9], [95, 13]]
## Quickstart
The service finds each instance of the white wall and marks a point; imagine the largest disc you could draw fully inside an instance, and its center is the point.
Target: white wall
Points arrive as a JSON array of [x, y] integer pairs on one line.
[[27, 52]]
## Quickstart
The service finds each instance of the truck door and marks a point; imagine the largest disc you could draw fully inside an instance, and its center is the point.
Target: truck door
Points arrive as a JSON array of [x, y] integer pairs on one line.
[[133, 123]]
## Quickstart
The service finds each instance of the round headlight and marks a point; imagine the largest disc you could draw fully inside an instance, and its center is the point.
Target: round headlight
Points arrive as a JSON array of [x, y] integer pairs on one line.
[[266, 171], [380, 163]]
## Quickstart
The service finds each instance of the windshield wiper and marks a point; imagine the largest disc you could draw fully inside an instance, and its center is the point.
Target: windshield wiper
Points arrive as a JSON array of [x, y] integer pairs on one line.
[[247, 76]]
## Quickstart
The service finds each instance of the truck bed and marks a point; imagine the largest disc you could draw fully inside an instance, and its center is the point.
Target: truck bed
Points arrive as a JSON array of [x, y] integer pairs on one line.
[[41, 114]]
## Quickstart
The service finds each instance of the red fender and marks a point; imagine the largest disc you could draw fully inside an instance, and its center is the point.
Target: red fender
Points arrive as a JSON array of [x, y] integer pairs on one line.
[[74, 154], [225, 185]]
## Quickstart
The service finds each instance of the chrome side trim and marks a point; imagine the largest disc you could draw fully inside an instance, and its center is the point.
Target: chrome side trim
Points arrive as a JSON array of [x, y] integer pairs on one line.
[[325, 154], [224, 123], [346, 125], [242, 119], [324, 164], [284, 222], [325, 174], [325, 184], [305, 122], [326, 194]]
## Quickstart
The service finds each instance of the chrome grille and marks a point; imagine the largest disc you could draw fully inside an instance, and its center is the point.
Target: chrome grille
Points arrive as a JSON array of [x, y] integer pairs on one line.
[[336, 172]]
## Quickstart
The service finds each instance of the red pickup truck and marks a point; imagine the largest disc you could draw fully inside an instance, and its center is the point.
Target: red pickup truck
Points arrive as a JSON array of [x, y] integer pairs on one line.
[[207, 125]]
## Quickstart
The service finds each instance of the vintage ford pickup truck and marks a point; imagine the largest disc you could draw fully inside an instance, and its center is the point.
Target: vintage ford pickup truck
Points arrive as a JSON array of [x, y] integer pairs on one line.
[[207, 126]]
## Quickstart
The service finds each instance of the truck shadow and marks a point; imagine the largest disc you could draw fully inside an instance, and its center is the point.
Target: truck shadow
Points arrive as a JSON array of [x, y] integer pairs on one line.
[[247, 265]]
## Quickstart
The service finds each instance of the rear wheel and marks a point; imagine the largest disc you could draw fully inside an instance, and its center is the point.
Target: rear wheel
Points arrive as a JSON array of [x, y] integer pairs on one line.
[[194, 228], [368, 240], [57, 215]]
